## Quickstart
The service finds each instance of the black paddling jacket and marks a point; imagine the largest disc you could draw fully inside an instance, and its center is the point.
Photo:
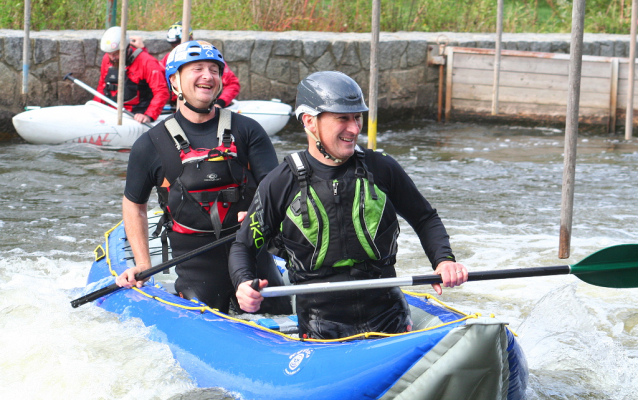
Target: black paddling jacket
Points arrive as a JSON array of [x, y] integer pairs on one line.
[[346, 225]]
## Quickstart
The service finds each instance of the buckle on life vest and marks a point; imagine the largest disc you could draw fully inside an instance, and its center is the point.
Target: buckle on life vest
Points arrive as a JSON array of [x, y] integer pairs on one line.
[[183, 144], [295, 207], [218, 155], [229, 195]]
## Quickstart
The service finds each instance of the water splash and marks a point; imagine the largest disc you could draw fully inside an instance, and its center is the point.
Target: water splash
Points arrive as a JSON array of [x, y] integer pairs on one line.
[[566, 348]]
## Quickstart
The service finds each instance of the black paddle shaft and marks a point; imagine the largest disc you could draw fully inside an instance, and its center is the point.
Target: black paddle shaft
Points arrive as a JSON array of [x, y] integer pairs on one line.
[[152, 271], [499, 274]]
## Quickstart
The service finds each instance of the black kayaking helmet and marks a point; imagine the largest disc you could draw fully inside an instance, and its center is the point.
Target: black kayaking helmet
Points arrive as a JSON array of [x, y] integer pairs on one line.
[[328, 91]]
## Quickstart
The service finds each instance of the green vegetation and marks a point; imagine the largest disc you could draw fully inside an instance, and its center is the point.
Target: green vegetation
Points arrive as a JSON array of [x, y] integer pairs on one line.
[[543, 16]]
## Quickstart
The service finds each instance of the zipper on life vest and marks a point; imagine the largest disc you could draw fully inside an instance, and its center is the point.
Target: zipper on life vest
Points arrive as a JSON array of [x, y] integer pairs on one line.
[[362, 221], [342, 234]]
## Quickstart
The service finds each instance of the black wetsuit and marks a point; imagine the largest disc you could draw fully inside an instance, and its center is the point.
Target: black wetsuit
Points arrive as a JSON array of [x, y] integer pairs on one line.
[[205, 277], [339, 314]]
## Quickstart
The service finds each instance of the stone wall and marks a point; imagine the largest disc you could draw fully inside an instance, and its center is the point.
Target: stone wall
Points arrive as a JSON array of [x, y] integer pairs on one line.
[[268, 64]]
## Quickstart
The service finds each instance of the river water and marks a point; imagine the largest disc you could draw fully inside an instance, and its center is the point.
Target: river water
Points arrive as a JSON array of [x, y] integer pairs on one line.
[[497, 189]]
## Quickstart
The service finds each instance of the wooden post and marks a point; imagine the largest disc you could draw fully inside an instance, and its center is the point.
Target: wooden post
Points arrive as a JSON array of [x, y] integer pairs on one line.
[[25, 47], [448, 82], [629, 122], [439, 109], [497, 56], [121, 76], [374, 75], [571, 127], [436, 57], [111, 13], [186, 20], [613, 96]]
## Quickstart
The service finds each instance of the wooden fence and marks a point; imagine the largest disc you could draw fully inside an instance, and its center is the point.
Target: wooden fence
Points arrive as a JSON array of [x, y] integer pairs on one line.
[[533, 86]]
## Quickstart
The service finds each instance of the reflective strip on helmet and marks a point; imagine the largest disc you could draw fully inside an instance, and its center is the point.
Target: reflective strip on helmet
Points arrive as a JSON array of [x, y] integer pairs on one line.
[[304, 109]]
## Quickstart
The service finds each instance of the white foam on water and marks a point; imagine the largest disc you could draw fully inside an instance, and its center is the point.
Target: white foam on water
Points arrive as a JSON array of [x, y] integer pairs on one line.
[[70, 239], [563, 338], [51, 350]]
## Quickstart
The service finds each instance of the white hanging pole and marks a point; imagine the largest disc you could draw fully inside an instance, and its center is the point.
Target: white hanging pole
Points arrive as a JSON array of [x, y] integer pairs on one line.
[[571, 127], [497, 56], [121, 72], [25, 47], [374, 74], [629, 122]]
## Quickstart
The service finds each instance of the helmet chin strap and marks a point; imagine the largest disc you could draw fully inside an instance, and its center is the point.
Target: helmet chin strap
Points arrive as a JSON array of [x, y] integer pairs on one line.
[[322, 149], [180, 96]]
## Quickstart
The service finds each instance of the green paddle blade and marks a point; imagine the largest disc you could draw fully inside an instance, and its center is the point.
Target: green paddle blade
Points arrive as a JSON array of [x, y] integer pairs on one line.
[[613, 267]]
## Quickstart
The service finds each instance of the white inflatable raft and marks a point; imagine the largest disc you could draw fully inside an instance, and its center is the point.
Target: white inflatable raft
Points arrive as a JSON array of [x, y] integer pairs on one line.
[[96, 123]]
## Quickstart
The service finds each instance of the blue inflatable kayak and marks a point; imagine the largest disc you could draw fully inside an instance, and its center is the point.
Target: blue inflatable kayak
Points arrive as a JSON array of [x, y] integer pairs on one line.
[[448, 355]]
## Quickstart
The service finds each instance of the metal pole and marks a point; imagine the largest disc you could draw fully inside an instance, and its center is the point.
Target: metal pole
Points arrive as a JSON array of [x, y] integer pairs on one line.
[[25, 47], [629, 122], [571, 127], [186, 20], [111, 13], [121, 76], [439, 109], [374, 75], [497, 56], [613, 96]]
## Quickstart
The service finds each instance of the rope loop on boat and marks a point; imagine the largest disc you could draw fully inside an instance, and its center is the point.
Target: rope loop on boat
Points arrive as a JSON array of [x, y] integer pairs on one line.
[[203, 308]]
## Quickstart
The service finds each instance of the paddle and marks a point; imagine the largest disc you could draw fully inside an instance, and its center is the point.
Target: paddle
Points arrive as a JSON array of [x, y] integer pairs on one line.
[[613, 267], [152, 271], [100, 95]]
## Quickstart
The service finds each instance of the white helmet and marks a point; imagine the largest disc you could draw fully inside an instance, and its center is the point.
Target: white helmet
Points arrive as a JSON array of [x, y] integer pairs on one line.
[[111, 39]]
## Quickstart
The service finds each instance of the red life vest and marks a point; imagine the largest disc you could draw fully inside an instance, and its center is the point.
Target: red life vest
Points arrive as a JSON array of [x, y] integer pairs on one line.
[[203, 189]]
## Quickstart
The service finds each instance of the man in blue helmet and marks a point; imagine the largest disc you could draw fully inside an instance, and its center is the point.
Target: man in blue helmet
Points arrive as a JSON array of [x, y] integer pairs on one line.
[[206, 163], [230, 81], [332, 210]]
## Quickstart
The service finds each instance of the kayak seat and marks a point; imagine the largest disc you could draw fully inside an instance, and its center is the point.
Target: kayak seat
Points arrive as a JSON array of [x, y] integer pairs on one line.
[[422, 319]]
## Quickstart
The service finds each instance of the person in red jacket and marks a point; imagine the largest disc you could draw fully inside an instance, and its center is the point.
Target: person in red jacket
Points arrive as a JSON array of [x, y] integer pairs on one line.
[[230, 82], [145, 88]]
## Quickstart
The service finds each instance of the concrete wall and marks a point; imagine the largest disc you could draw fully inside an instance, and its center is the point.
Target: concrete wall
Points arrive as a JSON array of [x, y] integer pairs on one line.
[[268, 64]]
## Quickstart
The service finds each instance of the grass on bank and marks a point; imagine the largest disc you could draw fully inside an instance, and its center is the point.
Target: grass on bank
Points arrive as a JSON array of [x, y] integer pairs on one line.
[[542, 16]]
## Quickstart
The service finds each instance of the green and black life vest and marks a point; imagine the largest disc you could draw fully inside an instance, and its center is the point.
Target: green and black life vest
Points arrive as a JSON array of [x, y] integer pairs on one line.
[[339, 223]]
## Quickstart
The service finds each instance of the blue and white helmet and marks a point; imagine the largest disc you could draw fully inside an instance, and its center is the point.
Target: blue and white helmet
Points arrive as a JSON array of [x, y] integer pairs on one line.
[[195, 50]]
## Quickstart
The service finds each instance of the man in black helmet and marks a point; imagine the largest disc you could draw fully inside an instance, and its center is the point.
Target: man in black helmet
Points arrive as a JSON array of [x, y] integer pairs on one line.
[[332, 210]]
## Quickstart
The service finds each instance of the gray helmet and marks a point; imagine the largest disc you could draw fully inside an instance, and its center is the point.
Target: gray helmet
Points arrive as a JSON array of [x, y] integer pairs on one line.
[[328, 91]]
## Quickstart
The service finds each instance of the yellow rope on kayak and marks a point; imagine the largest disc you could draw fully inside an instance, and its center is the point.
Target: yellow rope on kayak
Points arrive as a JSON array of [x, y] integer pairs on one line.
[[430, 297], [108, 256], [203, 308]]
